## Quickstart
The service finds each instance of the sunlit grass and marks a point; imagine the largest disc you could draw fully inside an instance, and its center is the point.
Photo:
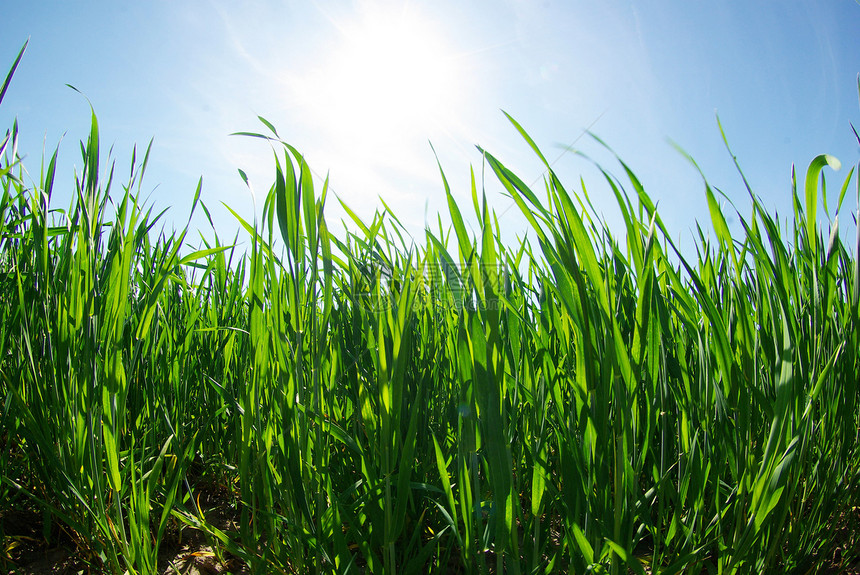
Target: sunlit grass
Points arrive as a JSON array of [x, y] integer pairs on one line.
[[596, 401]]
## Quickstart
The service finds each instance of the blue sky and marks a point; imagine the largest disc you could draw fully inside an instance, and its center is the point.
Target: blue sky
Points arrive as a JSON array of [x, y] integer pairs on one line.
[[361, 87]]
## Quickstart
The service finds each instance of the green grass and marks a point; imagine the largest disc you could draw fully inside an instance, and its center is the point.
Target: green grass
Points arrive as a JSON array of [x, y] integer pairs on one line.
[[598, 401]]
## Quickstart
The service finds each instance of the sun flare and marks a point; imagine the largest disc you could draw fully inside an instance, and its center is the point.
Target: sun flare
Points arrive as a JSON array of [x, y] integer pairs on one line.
[[391, 72]]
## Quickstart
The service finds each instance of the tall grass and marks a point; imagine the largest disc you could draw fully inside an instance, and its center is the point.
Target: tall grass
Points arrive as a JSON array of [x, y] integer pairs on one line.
[[599, 401]]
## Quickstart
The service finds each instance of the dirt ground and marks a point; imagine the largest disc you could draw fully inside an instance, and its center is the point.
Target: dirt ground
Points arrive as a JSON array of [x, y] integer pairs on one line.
[[186, 551]]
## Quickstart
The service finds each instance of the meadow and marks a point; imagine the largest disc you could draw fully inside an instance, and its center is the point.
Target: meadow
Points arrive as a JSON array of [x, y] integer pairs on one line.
[[591, 400]]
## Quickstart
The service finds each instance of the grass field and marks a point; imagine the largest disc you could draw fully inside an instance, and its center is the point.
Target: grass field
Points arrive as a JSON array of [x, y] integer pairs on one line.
[[589, 401]]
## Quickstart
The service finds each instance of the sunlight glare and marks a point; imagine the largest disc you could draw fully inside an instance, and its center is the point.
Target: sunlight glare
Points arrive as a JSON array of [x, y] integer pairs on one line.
[[391, 74]]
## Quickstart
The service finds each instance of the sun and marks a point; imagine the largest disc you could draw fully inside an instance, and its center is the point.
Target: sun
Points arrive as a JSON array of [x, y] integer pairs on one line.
[[391, 72]]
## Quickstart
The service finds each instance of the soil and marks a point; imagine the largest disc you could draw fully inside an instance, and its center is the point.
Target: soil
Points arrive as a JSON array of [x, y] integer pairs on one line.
[[186, 551], [183, 551]]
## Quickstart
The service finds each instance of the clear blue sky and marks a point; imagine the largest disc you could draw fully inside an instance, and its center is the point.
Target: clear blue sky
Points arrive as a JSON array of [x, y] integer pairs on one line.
[[360, 87]]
